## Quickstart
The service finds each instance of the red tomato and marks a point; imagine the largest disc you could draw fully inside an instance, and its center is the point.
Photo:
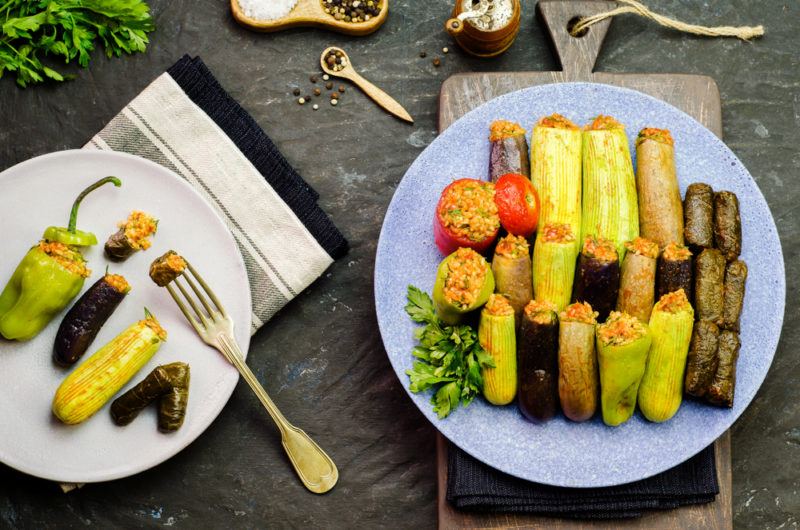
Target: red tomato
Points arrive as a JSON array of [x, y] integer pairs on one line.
[[517, 204]]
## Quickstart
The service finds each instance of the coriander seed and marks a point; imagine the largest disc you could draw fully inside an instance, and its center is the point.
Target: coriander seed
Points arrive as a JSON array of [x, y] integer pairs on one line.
[[334, 102], [301, 101], [445, 50], [315, 106], [325, 77]]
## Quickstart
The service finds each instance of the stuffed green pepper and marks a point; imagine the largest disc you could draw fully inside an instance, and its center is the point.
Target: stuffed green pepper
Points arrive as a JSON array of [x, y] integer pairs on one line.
[[661, 390], [49, 276], [623, 342], [464, 282]]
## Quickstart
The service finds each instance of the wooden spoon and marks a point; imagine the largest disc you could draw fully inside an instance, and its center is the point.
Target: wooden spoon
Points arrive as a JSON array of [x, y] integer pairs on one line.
[[311, 13], [378, 96]]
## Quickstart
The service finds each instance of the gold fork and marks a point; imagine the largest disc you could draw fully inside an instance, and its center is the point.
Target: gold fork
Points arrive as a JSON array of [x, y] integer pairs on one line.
[[315, 468]]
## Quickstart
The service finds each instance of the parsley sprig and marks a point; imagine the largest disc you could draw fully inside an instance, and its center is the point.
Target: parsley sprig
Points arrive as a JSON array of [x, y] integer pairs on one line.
[[67, 29], [449, 358]]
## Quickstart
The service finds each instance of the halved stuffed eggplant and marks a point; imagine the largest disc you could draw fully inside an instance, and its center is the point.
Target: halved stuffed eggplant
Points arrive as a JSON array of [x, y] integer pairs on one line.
[[133, 235]]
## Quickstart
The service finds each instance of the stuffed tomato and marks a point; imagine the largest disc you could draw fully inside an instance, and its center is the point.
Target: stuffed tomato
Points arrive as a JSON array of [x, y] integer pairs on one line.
[[517, 204], [466, 217]]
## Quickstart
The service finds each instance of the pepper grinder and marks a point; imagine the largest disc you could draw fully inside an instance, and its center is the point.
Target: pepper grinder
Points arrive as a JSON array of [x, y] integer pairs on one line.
[[485, 28]]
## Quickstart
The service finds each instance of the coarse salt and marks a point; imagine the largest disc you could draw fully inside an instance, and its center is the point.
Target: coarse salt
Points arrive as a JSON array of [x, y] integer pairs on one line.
[[267, 9]]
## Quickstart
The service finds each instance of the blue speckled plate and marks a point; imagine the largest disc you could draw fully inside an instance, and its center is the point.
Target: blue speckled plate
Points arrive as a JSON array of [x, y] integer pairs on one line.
[[560, 452]]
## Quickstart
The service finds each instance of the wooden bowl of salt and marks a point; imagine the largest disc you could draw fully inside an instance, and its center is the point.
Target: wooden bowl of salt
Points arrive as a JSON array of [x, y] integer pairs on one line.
[[277, 15]]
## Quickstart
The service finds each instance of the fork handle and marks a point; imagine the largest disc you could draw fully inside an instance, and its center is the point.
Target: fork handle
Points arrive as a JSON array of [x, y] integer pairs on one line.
[[314, 467]]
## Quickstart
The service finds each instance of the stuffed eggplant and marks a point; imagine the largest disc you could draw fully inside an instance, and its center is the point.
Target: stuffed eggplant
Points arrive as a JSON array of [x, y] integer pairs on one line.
[[508, 150], [660, 206], [554, 255], [733, 294], [511, 268], [623, 342], [698, 211], [709, 285], [556, 170], [578, 379], [723, 385], [727, 225], [637, 283], [597, 276], [661, 390], [675, 271], [169, 384], [701, 365], [166, 268], [133, 235], [464, 282], [496, 333], [610, 206], [537, 358], [466, 216], [84, 320]]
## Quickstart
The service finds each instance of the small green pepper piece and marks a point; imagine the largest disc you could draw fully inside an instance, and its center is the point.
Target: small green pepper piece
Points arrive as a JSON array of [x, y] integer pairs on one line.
[[70, 235], [37, 291], [49, 276], [452, 313]]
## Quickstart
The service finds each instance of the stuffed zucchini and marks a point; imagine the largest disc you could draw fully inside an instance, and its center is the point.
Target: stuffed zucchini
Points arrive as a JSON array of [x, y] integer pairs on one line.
[[637, 282], [464, 282], [496, 334], [511, 268], [102, 375], [698, 210], [733, 294], [466, 216], [610, 206], [727, 225], [597, 276], [537, 358], [623, 343], [661, 390], [554, 255], [709, 285], [660, 206], [166, 268], [556, 170], [701, 364], [84, 320], [578, 379], [133, 235], [675, 271], [722, 387], [508, 151], [169, 384]]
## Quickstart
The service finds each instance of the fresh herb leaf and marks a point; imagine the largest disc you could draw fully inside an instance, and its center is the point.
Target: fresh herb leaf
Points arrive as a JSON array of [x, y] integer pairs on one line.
[[449, 357], [69, 30]]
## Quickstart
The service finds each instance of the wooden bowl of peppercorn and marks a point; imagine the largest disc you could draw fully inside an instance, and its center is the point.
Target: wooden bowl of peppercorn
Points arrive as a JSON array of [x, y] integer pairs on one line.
[[351, 17]]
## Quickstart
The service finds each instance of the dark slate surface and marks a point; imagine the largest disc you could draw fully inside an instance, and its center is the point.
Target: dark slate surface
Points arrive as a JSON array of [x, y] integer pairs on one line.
[[322, 358]]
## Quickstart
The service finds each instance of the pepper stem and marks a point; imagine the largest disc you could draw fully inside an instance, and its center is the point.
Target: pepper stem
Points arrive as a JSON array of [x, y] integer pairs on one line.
[[73, 215]]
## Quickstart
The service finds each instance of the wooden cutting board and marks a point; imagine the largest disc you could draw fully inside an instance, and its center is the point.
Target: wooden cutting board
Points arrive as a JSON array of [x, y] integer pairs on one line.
[[696, 95]]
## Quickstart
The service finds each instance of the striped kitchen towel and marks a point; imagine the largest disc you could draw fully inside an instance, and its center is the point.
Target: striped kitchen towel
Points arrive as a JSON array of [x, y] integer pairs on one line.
[[186, 122]]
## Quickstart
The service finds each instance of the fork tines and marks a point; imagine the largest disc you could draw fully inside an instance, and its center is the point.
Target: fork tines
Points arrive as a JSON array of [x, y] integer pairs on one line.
[[203, 316]]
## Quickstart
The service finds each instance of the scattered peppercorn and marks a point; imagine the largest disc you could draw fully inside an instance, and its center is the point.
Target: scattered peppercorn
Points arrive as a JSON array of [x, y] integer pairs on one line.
[[352, 10], [437, 62], [336, 60], [341, 89], [296, 92], [423, 54], [335, 95], [329, 85], [313, 79], [317, 92]]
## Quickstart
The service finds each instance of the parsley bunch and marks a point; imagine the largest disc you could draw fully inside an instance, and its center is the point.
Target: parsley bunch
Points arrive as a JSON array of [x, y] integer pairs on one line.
[[67, 29], [449, 357]]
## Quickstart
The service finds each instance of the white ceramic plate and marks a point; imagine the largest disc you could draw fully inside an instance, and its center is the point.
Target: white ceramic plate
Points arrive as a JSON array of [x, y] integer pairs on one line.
[[39, 193]]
